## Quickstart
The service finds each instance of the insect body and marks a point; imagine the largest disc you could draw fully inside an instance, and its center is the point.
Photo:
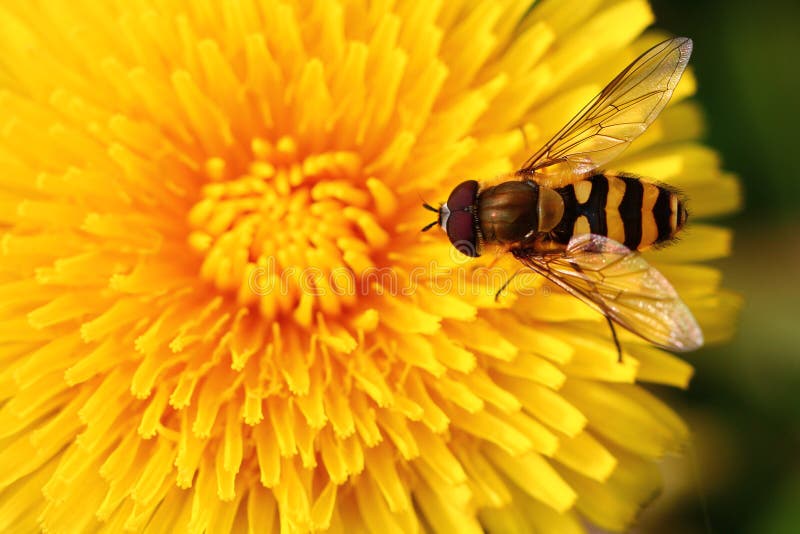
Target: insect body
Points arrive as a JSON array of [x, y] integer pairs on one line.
[[581, 227], [623, 208]]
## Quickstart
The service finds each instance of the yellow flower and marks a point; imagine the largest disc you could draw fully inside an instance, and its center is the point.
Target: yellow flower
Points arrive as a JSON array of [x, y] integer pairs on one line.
[[209, 213]]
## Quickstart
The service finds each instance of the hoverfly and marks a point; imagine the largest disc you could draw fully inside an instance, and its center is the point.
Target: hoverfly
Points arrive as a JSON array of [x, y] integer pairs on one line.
[[580, 227]]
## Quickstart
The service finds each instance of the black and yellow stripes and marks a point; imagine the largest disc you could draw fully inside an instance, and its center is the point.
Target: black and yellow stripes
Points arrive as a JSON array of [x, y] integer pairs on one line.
[[636, 213], [662, 212], [630, 211], [593, 208]]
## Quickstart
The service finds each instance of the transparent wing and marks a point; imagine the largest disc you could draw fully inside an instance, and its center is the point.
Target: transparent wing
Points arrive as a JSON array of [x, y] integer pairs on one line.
[[614, 118], [620, 284]]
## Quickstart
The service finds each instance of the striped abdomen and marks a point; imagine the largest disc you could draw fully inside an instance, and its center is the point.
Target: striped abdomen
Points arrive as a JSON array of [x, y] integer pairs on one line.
[[623, 208]]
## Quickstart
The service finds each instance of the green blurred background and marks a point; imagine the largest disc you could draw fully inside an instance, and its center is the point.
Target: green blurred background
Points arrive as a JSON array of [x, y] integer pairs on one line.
[[742, 473]]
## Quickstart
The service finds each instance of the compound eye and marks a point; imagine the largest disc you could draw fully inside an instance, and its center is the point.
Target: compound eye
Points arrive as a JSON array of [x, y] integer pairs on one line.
[[461, 231], [463, 196]]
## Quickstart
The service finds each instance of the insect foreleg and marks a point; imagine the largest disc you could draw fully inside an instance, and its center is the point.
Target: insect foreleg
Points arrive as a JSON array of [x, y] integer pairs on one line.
[[505, 285]]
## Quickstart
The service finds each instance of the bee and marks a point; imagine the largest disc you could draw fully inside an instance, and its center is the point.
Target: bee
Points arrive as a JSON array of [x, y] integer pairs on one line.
[[581, 228]]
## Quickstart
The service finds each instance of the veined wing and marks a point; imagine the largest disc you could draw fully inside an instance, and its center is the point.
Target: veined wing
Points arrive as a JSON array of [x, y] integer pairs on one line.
[[620, 284], [614, 118]]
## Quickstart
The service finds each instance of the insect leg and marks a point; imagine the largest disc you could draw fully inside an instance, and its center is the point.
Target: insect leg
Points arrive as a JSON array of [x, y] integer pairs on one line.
[[505, 285], [524, 135], [614, 335], [608, 318]]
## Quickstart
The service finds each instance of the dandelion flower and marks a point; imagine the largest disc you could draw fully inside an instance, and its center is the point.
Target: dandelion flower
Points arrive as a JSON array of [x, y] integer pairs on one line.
[[201, 203]]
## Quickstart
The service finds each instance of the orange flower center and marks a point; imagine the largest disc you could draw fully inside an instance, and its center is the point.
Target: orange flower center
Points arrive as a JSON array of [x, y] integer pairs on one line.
[[291, 233]]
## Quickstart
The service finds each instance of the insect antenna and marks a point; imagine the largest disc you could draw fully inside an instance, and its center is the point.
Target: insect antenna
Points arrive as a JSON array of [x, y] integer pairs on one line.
[[429, 207], [437, 211], [429, 226]]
